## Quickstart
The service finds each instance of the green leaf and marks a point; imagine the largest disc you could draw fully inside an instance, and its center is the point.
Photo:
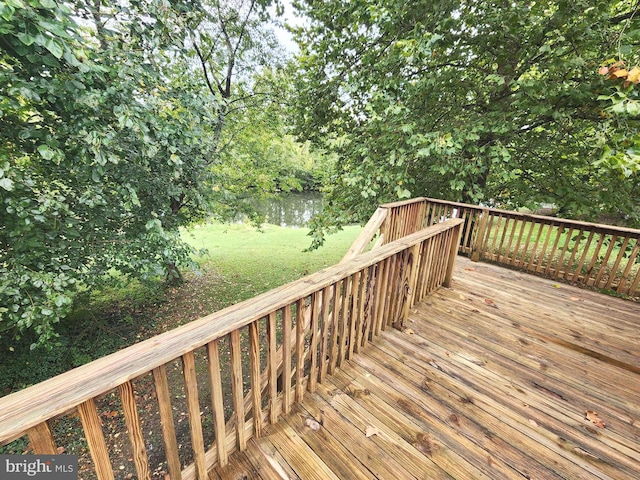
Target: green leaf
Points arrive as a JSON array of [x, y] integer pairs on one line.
[[54, 47], [6, 183], [26, 38], [46, 152]]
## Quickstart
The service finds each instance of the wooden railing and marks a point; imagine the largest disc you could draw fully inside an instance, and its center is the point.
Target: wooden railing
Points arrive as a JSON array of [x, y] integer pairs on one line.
[[229, 374], [588, 254]]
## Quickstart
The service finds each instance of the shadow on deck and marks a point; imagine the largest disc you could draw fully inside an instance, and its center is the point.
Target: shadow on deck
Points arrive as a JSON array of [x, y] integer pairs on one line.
[[503, 375]]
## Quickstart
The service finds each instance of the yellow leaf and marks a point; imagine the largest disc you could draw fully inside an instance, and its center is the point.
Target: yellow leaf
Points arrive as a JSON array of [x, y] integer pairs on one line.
[[621, 73], [593, 418], [634, 75]]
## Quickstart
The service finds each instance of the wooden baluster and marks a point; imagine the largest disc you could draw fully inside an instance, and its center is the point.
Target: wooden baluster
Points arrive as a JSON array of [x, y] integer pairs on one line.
[[563, 251], [95, 439], [299, 349], [594, 259], [353, 315], [616, 265], [316, 299], [630, 263], [132, 421], [444, 243], [409, 281], [335, 328], [583, 258], [344, 326], [391, 292], [556, 242], [286, 359], [492, 230], [380, 296], [370, 295], [193, 408], [507, 251], [256, 373], [534, 250], [605, 261], [574, 251], [503, 237], [635, 283], [166, 422], [236, 389], [273, 368], [360, 312], [42, 440], [523, 224], [433, 255], [541, 260], [327, 296], [217, 403], [531, 224], [480, 237], [455, 233]]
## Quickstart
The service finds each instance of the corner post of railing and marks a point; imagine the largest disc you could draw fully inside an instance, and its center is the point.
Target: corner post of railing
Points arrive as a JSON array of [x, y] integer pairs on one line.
[[478, 239], [456, 235], [414, 266]]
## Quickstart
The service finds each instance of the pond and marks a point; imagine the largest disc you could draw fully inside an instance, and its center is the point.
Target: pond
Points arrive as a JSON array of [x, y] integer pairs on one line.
[[291, 209]]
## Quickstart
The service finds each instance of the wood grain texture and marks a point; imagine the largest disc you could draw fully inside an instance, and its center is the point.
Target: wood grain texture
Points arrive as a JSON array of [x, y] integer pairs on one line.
[[217, 403], [479, 389], [237, 389], [95, 439], [256, 375], [193, 409], [166, 421], [41, 440], [134, 429]]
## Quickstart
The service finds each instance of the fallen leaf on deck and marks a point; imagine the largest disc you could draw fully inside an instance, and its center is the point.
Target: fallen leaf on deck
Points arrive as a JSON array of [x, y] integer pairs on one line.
[[371, 431], [593, 418], [469, 269], [556, 286], [574, 299], [533, 422], [490, 302], [462, 297], [312, 424], [408, 331]]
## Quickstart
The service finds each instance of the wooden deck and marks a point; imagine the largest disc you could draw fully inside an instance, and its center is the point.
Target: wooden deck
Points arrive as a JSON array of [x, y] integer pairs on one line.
[[492, 379]]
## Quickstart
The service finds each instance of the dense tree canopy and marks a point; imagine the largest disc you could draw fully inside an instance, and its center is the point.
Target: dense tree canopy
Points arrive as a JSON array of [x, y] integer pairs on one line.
[[114, 120], [496, 102]]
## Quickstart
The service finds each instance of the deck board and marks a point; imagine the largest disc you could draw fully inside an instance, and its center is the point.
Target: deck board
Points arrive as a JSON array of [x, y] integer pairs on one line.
[[492, 380]]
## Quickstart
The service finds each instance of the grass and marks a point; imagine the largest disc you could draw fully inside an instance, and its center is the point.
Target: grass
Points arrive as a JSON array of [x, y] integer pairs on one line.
[[251, 262], [241, 262]]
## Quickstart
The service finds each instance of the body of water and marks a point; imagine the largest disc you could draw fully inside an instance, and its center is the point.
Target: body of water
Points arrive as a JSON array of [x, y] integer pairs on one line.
[[291, 209]]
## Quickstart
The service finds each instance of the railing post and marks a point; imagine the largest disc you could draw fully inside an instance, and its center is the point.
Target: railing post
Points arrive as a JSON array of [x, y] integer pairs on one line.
[[478, 241], [456, 234], [414, 264]]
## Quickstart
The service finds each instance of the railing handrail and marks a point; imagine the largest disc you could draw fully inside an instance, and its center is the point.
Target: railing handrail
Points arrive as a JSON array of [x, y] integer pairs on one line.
[[540, 218], [36, 404]]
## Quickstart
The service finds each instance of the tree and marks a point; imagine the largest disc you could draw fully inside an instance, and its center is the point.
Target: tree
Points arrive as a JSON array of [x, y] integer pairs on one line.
[[102, 160], [493, 102]]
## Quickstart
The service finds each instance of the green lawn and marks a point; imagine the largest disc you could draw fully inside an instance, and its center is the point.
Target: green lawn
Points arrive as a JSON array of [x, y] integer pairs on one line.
[[241, 262], [252, 261]]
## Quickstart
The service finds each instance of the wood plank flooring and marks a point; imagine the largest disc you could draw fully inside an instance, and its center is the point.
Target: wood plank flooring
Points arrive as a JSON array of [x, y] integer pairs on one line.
[[492, 380]]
